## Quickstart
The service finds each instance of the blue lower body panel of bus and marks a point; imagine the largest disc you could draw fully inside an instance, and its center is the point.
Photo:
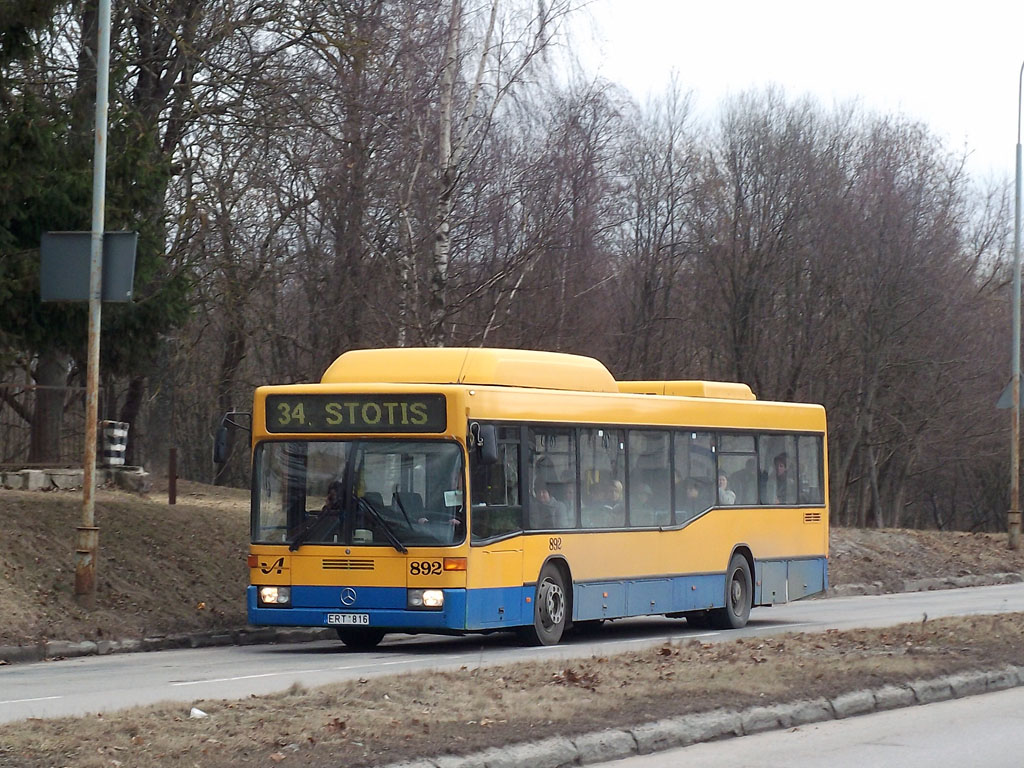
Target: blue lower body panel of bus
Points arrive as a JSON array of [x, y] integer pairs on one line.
[[383, 607], [774, 581]]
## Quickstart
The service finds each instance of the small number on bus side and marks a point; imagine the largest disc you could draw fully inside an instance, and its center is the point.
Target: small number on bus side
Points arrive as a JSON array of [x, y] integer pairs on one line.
[[555, 543], [425, 567]]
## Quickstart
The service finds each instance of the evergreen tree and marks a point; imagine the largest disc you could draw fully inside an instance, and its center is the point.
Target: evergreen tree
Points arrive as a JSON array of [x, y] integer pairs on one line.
[[46, 141]]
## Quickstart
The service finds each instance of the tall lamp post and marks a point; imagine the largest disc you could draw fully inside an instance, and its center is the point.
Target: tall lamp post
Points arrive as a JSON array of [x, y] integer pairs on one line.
[[1013, 527], [88, 534]]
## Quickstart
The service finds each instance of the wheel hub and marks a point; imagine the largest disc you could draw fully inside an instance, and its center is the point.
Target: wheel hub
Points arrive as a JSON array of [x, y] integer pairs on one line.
[[552, 604]]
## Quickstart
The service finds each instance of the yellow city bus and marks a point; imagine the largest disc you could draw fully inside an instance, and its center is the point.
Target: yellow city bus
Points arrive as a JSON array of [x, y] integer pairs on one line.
[[453, 490]]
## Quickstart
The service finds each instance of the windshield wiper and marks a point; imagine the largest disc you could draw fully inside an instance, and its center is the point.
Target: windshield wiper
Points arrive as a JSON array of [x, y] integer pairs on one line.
[[395, 542], [304, 531]]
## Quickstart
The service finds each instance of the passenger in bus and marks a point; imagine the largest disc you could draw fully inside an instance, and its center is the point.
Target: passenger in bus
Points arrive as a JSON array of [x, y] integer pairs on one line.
[[616, 495], [335, 500], [547, 511], [745, 483], [641, 505], [640, 497], [780, 486], [690, 504], [725, 496]]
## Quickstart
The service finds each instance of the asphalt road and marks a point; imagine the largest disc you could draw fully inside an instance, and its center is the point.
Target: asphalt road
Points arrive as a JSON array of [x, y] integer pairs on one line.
[[983, 730], [104, 683]]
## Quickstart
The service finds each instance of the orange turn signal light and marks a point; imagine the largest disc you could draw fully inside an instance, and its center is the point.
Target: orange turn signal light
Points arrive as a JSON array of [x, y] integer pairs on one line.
[[455, 563], [253, 561]]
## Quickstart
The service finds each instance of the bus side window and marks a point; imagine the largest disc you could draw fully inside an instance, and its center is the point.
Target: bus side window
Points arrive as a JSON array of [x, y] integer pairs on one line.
[[810, 470], [694, 474], [602, 477], [552, 502], [777, 460], [737, 469], [649, 478], [494, 489]]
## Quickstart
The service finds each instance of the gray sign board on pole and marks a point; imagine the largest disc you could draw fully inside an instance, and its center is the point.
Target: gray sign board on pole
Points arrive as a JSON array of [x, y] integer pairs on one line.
[[64, 265]]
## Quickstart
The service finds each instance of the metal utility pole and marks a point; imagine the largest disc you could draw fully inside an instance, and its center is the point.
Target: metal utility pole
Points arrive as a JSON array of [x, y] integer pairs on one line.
[[1013, 527], [88, 533]]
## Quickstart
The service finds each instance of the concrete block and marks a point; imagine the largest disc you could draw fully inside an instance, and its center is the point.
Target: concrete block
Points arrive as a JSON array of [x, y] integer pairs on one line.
[[851, 590], [602, 746], [210, 639], [1001, 679], [12, 481], [548, 753], [893, 697], [67, 479], [496, 758], [758, 719], [154, 644], [927, 585], [812, 711], [35, 480], [968, 683], [662, 735], [853, 703], [930, 691], [129, 645], [19, 653], [717, 724], [134, 481], [253, 636], [106, 647], [69, 650]]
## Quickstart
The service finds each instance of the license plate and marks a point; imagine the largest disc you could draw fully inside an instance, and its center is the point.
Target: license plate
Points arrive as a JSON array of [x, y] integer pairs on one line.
[[348, 618]]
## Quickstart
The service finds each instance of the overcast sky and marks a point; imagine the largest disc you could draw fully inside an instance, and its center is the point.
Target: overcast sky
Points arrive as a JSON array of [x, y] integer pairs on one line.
[[952, 65]]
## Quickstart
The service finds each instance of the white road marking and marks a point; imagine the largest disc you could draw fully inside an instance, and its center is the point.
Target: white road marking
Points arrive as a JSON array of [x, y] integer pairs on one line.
[[289, 672], [244, 677], [25, 701]]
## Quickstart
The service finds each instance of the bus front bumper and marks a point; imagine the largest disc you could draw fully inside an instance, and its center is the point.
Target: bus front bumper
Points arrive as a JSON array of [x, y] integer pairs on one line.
[[376, 607]]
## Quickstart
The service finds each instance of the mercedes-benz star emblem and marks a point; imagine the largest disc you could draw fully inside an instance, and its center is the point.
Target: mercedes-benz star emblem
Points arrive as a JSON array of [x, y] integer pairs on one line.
[[348, 596]]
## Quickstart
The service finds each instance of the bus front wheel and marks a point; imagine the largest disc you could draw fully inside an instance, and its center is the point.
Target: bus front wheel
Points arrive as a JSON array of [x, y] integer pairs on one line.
[[359, 639], [738, 591], [550, 609]]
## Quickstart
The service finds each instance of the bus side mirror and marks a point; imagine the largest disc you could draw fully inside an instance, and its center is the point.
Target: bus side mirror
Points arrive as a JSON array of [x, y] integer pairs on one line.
[[220, 437], [487, 444], [220, 445]]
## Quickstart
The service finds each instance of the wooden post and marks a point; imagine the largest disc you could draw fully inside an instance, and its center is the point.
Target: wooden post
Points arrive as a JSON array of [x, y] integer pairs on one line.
[[172, 477]]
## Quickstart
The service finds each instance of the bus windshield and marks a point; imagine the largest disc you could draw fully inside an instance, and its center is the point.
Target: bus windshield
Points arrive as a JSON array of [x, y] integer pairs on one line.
[[390, 493]]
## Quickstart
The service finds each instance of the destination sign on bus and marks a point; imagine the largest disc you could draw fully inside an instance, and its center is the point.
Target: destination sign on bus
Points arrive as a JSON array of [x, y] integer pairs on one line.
[[356, 413]]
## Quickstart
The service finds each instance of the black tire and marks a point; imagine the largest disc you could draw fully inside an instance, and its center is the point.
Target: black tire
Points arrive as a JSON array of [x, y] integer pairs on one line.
[[359, 639], [738, 593], [550, 609]]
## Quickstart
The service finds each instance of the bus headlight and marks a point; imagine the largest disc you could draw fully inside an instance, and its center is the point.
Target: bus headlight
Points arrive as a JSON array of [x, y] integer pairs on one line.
[[277, 597], [426, 599]]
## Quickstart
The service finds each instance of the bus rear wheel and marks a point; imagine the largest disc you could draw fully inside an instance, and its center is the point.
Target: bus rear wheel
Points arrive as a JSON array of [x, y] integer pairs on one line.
[[359, 639], [550, 609], [738, 591]]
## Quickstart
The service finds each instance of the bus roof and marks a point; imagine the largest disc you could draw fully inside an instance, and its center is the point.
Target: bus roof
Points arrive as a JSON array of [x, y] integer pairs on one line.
[[723, 390], [478, 366], [488, 366]]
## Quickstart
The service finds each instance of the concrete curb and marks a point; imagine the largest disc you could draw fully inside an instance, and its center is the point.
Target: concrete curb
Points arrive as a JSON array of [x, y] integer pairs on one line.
[[926, 585], [602, 746], [66, 649]]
